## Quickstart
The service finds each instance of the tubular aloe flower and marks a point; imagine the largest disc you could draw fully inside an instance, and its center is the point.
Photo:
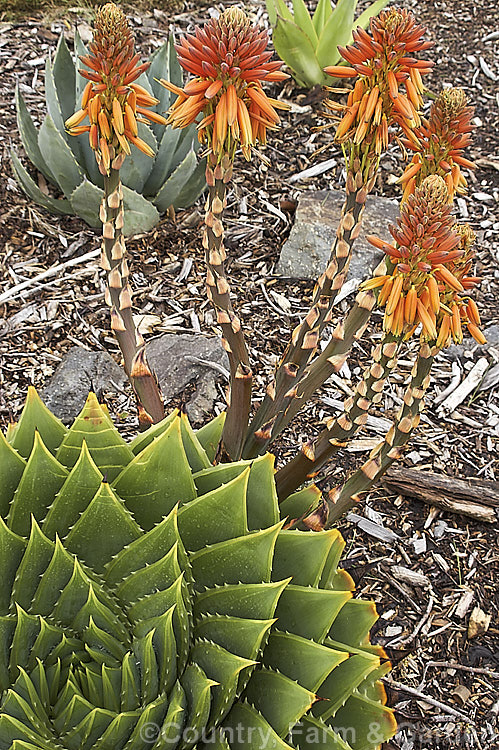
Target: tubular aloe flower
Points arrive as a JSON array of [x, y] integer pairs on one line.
[[111, 100], [425, 266], [441, 141], [383, 63], [229, 59]]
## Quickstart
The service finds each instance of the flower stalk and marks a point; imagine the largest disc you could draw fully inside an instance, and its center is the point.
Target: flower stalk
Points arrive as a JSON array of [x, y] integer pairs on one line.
[[381, 62], [114, 104]]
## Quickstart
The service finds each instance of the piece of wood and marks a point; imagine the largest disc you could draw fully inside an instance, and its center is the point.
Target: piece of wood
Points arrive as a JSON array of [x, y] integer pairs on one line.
[[476, 498], [471, 381]]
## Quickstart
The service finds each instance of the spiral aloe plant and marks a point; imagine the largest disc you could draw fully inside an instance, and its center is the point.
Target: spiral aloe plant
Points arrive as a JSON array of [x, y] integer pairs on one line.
[[150, 599], [173, 177]]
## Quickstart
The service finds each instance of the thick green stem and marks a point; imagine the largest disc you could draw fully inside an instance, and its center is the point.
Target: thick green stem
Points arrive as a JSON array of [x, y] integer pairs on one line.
[[305, 338], [389, 450], [217, 176], [119, 298], [313, 455]]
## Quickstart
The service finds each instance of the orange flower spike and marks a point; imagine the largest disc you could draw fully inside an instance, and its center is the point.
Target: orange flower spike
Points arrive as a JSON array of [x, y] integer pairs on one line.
[[473, 312], [477, 334], [383, 59], [130, 121], [114, 66], [394, 295], [229, 60], [434, 294], [410, 306], [443, 334]]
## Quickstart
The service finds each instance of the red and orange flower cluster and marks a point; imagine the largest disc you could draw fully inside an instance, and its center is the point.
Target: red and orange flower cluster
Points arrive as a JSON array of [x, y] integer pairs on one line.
[[389, 85], [229, 59], [441, 140], [429, 266], [111, 100]]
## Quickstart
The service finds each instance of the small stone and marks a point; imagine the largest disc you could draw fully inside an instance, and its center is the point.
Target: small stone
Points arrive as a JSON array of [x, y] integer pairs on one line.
[[79, 372], [305, 253], [173, 359], [479, 623]]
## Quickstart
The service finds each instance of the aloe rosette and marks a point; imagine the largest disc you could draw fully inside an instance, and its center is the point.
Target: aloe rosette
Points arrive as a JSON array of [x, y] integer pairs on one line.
[[173, 177], [150, 599]]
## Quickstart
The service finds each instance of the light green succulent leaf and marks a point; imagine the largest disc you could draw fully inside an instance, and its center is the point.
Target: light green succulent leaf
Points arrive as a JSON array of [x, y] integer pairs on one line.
[[53, 581], [263, 509], [217, 516], [297, 600], [36, 417], [106, 446], [295, 48], [243, 637], [140, 214], [281, 701], [103, 529], [321, 15], [12, 468], [160, 574], [76, 494], [337, 31], [364, 715], [12, 548], [302, 555], [336, 690], [302, 660], [165, 491], [41, 480], [210, 435], [197, 688], [277, 8], [209, 479], [104, 637], [303, 20], [354, 623], [164, 644], [36, 558], [142, 439], [29, 137], [168, 194], [33, 191], [138, 165], [85, 201], [59, 157], [331, 564], [64, 75], [370, 12], [130, 679], [324, 737], [174, 722], [194, 451], [300, 503], [246, 559], [223, 668], [244, 723], [147, 550], [80, 81], [256, 600]]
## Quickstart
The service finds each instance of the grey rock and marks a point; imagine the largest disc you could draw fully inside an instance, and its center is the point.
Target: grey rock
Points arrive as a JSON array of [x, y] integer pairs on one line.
[[171, 357], [305, 253], [491, 333], [79, 372]]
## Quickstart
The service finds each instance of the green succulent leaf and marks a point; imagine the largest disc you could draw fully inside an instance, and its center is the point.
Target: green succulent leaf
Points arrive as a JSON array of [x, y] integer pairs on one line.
[[277, 8], [33, 191], [59, 157], [53, 102], [138, 165], [300, 503], [171, 604], [64, 76]]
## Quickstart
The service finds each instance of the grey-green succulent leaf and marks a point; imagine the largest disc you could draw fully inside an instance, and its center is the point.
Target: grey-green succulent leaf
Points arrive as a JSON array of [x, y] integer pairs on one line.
[[170, 609]]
